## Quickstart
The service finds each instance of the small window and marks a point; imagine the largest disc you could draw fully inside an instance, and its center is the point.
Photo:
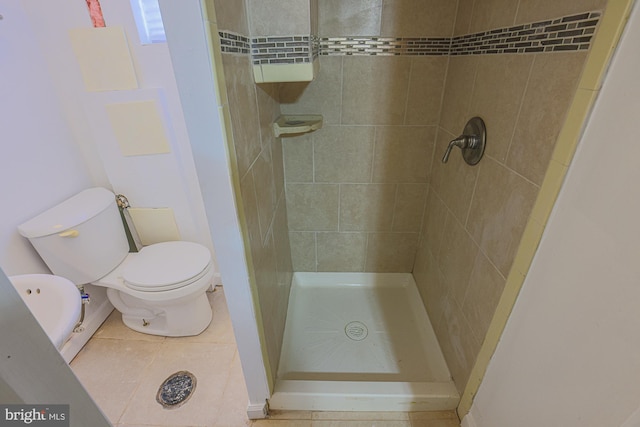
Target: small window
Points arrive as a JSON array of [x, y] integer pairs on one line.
[[149, 21]]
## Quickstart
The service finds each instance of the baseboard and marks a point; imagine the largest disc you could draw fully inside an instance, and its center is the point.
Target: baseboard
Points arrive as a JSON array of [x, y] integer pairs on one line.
[[256, 412], [91, 325]]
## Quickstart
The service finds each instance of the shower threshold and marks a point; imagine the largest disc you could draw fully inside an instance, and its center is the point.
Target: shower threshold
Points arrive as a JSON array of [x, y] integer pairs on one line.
[[360, 342]]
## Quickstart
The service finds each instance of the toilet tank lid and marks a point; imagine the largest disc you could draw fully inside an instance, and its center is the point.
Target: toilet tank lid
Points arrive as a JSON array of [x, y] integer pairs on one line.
[[68, 214]]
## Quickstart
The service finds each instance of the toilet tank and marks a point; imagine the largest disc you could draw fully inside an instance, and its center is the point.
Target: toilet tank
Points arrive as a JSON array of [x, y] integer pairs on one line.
[[82, 238]]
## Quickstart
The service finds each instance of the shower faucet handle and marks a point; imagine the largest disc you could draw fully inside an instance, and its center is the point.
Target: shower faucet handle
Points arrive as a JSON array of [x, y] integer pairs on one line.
[[463, 141], [471, 142]]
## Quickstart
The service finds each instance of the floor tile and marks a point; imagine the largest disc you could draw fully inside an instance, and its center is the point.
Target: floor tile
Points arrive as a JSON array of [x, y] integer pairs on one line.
[[210, 364], [281, 423], [364, 416], [234, 399], [361, 423], [122, 370], [110, 370]]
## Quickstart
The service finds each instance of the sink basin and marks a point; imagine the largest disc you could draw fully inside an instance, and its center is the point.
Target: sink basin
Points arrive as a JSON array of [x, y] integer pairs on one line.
[[53, 300]]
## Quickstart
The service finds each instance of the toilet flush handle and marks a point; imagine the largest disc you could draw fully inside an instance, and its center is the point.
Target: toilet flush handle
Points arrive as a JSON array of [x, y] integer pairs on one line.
[[69, 233]]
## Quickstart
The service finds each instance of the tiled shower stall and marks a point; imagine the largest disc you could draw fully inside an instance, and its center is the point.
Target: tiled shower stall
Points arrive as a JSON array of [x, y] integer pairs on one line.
[[398, 80]]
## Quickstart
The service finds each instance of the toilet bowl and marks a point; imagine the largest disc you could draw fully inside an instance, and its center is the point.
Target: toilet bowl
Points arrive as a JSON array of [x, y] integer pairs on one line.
[[160, 290]]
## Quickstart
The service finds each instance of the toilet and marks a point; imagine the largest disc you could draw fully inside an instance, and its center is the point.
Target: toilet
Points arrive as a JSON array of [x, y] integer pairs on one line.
[[160, 290]]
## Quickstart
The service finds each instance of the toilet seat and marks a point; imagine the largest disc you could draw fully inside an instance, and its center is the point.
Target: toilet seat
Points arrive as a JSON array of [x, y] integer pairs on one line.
[[166, 266]]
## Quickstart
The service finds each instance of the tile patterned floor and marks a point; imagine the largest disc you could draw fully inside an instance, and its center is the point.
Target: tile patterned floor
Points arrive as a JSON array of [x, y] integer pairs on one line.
[[123, 369]]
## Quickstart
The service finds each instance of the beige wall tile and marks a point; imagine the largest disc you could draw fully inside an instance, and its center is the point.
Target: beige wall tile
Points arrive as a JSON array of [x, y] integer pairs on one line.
[[463, 17], [298, 158], [391, 252], [366, 207], [431, 284], [303, 250], [425, 90], [500, 84], [252, 221], [277, 157], [279, 18], [312, 207], [537, 10], [501, 206], [435, 218], [341, 251], [282, 245], [265, 190], [429, 18], [244, 110], [456, 259], [403, 153], [267, 286], [455, 180], [269, 110], [458, 88], [321, 96], [343, 153], [491, 14], [551, 88], [410, 206], [349, 18], [485, 289], [231, 16], [458, 344], [375, 89]]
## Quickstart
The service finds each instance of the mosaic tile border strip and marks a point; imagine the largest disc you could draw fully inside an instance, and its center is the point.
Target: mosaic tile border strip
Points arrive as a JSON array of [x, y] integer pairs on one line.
[[567, 33], [284, 49], [384, 46], [234, 43]]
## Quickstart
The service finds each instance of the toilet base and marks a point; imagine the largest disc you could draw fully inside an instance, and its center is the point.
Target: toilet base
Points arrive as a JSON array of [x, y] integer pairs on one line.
[[187, 317]]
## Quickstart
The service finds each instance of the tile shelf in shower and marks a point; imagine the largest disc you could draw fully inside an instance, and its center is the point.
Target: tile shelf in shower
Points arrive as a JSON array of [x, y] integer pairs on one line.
[[296, 124]]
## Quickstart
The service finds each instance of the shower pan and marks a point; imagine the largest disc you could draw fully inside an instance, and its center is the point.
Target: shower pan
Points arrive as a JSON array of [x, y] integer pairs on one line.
[[360, 342]]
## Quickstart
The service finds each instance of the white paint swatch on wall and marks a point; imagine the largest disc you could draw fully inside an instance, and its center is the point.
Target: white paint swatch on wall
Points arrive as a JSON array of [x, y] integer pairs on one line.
[[138, 128], [104, 58], [154, 225]]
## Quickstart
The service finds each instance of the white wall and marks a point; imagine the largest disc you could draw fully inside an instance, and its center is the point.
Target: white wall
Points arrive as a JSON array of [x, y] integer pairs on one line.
[[164, 180], [56, 137], [40, 164], [570, 354]]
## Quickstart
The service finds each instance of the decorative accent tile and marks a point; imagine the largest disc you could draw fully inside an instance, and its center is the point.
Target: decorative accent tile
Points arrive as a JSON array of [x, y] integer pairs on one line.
[[234, 43], [568, 33], [384, 46], [283, 49]]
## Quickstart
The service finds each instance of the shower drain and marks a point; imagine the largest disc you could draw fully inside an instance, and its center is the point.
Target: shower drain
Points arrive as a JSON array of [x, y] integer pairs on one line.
[[356, 331]]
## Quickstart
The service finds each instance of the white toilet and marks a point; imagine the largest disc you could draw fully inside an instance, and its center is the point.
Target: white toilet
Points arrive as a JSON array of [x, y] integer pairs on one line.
[[160, 290]]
